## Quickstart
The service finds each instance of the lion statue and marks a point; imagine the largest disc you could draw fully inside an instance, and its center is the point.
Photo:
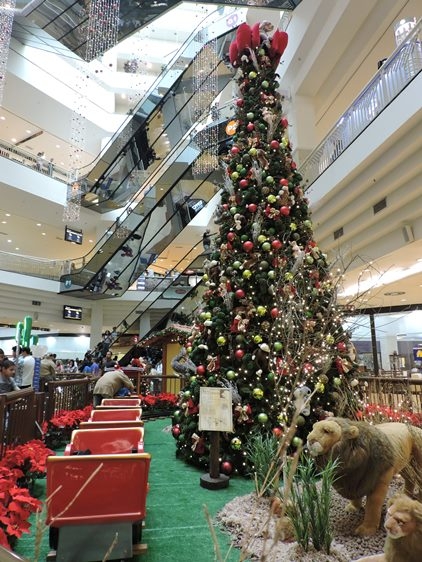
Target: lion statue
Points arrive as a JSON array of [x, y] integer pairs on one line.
[[404, 532], [368, 458]]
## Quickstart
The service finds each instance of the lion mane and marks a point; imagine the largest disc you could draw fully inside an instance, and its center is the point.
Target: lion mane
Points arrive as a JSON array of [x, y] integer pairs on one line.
[[403, 524], [368, 457]]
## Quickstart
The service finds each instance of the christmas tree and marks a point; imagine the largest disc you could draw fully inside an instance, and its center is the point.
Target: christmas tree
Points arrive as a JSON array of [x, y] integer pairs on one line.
[[269, 326]]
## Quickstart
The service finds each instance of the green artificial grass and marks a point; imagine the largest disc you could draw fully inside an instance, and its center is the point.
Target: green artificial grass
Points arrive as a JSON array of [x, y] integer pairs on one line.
[[175, 529]]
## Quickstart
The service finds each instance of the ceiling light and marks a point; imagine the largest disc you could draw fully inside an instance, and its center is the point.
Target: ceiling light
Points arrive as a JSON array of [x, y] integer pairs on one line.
[[9, 241], [43, 233], [3, 118], [38, 224], [7, 214], [28, 131], [394, 293], [17, 248], [57, 146], [3, 222], [13, 140]]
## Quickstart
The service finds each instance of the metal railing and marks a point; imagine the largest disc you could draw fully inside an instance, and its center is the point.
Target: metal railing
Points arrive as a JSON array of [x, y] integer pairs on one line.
[[16, 154], [391, 79]]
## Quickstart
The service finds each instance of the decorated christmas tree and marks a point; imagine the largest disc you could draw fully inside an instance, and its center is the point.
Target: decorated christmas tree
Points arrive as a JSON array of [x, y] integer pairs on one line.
[[269, 326]]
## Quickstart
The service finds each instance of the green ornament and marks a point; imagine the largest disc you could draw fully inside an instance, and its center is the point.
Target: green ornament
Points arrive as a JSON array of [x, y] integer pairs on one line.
[[221, 340], [269, 179], [235, 176], [278, 346], [271, 376], [250, 115], [233, 210], [230, 375], [262, 418], [252, 74], [258, 393], [265, 84], [247, 274]]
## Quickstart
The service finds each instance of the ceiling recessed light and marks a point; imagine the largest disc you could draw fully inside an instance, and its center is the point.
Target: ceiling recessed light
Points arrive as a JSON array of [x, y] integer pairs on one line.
[[13, 140], [9, 241], [38, 224], [57, 146], [17, 248], [8, 214], [3, 222], [3, 118], [43, 233], [28, 131]]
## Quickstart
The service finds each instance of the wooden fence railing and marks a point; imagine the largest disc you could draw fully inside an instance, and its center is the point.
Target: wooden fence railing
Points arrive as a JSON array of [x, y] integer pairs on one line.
[[398, 393], [23, 412]]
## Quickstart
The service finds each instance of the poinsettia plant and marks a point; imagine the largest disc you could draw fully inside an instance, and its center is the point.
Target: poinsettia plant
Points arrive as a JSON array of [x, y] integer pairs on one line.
[[58, 429], [27, 462], [162, 401], [16, 505], [377, 413]]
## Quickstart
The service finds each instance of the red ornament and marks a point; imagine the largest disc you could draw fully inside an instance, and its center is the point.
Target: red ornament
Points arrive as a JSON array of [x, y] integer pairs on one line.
[[274, 144], [248, 246], [244, 183], [175, 431], [240, 102], [341, 347], [201, 370], [252, 207], [283, 182], [284, 123], [231, 236], [240, 294], [277, 432], [239, 353], [250, 126], [225, 206], [284, 210], [274, 312], [293, 165], [276, 244], [226, 468], [235, 149]]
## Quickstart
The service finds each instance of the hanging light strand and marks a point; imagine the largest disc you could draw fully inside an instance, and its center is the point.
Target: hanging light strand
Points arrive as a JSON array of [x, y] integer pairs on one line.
[[205, 87], [7, 12], [103, 27]]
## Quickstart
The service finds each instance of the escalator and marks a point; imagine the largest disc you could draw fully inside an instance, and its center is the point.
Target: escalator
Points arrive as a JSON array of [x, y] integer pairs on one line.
[[166, 112], [67, 20], [147, 226]]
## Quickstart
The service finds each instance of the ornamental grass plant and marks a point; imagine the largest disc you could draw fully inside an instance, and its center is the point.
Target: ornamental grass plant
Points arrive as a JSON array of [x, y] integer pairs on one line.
[[262, 454], [309, 509]]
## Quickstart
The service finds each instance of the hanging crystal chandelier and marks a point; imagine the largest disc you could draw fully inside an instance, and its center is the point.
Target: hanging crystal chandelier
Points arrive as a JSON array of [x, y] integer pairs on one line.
[[205, 88], [103, 27], [72, 209], [7, 12]]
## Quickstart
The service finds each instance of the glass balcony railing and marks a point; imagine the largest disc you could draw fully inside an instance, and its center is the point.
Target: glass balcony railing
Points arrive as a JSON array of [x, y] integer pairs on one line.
[[390, 80]]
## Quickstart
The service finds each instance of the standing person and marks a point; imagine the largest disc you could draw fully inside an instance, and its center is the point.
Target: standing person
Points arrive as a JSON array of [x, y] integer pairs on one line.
[[7, 373], [206, 240], [47, 368], [28, 367], [2, 355], [50, 167], [109, 384]]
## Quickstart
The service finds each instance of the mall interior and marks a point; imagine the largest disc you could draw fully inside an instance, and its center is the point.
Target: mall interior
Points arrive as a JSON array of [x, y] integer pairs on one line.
[[108, 176]]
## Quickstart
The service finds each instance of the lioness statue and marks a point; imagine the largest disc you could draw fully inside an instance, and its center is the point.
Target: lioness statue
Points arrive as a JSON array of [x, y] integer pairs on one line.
[[404, 532], [368, 458]]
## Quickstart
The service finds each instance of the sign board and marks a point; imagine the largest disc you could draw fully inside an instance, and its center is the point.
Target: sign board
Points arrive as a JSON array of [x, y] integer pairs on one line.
[[215, 409]]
